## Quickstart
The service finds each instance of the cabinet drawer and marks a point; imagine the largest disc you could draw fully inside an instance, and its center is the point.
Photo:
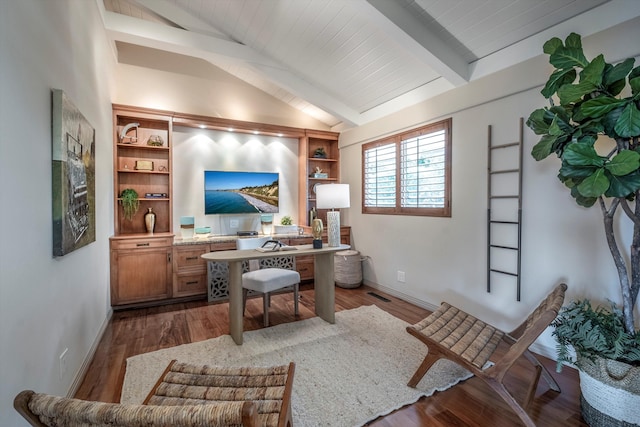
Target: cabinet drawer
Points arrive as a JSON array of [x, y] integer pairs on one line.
[[223, 246], [141, 243], [186, 258], [190, 285], [304, 266]]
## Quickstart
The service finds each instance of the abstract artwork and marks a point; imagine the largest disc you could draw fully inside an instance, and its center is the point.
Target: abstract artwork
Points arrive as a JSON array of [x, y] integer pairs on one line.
[[73, 176]]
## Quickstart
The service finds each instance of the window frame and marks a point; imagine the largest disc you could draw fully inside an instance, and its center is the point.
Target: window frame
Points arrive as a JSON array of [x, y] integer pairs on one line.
[[397, 139]]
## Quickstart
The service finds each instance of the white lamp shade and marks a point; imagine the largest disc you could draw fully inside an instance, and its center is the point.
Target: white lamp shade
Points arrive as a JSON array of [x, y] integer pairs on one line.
[[332, 196]]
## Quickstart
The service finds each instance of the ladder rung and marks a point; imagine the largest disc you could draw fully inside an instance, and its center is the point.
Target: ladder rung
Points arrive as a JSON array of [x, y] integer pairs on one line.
[[503, 247], [511, 144], [503, 222], [504, 197], [504, 272], [505, 171]]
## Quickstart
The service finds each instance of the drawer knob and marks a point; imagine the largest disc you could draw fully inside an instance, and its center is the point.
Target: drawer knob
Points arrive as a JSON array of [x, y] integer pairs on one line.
[[142, 244]]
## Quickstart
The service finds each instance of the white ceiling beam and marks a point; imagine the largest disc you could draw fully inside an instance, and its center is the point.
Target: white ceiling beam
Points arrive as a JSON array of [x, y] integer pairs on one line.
[[215, 50], [174, 13], [410, 32]]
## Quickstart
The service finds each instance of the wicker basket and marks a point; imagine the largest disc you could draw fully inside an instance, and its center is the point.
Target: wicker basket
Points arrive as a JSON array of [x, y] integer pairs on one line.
[[348, 269]]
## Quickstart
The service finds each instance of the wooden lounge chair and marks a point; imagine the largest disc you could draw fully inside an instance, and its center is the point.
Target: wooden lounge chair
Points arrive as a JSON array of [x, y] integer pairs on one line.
[[455, 335], [184, 396]]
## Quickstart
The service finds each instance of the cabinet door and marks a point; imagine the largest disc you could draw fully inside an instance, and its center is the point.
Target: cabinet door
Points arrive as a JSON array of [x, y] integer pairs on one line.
[[140, 275]]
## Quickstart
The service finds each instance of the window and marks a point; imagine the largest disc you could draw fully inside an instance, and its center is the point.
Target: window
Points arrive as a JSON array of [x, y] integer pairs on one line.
[[409, 173]]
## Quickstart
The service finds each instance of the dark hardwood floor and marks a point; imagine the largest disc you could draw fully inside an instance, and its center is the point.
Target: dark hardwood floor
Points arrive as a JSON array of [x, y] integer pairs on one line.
[[470, 403]]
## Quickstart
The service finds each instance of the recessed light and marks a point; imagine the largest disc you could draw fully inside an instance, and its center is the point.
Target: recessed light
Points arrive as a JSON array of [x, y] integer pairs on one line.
[[255, 132], [202, 126], [230, 129]]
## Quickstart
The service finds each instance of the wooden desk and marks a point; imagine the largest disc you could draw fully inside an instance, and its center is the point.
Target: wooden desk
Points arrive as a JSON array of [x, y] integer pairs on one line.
[[323, 277]]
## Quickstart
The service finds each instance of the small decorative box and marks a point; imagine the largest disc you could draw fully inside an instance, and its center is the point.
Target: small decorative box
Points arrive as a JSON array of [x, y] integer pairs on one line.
[[321, 175]]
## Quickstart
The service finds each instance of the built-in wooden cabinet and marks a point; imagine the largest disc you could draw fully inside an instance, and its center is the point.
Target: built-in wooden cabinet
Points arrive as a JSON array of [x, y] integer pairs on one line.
[[313, 166], [140, 269], [150, 268]]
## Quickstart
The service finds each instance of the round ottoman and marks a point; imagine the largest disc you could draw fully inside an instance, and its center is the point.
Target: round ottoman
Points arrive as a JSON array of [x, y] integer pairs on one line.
[[348, 269]]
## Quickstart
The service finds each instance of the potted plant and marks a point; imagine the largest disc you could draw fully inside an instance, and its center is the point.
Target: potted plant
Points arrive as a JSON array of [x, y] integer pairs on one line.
[[286, 226], [130, 202], [595, 101]]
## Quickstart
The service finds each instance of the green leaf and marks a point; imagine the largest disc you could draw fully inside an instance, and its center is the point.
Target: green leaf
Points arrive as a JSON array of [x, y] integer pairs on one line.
[[574, 40], [593, 72], [575, 173], [610, 120], [623, 186], [552, 45], [582, 155], [619, 71], [594, 185], [581, 200], [544, 147], [600, 106], [557, 79], [635, 85], [573, 93], [537, 123], [623, 163], [555, 128], [615, 88], [628, 124], [568, 57]]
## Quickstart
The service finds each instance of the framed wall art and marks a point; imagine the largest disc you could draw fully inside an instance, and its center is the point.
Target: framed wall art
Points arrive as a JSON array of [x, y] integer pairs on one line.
[[73, 176]]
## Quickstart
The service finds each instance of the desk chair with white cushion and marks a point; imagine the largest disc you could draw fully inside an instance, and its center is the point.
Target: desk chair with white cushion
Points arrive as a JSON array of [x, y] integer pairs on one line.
[[266, 280]]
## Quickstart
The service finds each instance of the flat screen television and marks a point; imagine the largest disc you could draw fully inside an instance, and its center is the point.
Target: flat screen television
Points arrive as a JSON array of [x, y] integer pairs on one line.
[[227, 192]]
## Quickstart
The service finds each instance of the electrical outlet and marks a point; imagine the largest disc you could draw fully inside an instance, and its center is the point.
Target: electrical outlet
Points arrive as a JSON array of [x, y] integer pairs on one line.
[[63, 363], [401, 277], [233, 223]]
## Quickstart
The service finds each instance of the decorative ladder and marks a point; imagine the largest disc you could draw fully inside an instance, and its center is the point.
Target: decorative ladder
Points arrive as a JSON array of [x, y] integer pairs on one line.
[[501, 203]]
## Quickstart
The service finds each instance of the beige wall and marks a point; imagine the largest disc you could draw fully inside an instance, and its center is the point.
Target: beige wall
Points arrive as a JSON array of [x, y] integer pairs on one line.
[[154, 79], [49, 304], [445, 258]]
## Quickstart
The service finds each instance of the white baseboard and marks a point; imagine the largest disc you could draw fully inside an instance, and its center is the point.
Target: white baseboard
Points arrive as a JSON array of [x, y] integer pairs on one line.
[[536, 347], [75, 385], [402, 296]]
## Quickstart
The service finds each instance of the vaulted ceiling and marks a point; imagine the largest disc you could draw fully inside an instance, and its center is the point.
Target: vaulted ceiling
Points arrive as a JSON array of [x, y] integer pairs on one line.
[[348, 62]]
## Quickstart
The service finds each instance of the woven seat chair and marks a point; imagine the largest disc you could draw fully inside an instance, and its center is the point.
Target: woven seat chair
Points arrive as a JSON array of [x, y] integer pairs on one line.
[[452, 334], [184, 396]]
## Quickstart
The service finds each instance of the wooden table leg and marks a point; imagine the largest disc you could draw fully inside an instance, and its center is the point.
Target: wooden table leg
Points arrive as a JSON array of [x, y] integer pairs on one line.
[[325, 291], [236, 315]]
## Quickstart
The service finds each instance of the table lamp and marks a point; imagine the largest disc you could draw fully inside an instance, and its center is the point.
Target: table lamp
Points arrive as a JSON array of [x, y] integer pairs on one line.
[[332, 196]]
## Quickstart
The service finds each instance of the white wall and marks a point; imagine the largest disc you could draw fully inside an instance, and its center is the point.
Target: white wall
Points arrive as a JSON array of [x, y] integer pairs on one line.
[[445, 258], [197, 150], [47, 304], [167, 81]]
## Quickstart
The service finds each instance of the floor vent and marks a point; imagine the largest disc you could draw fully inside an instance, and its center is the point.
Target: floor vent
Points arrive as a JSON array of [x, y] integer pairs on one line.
[[380, 297]]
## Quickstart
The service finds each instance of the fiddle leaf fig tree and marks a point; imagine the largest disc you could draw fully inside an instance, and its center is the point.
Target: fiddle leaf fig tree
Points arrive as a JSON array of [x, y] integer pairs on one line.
[[590, 99]]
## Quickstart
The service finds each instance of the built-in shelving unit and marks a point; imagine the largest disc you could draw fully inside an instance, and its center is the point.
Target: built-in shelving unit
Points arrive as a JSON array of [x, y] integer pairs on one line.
[[144, 167], [309, 163], [149, 268]]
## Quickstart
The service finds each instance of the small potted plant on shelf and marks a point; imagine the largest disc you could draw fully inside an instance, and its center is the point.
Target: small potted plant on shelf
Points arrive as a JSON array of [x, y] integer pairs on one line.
[[130, 202], [319, 153], [605, 174], [286, 226]]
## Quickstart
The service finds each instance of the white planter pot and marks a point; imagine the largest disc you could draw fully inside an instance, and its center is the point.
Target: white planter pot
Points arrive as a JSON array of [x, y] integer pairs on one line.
[[285, 229], [610, 393]]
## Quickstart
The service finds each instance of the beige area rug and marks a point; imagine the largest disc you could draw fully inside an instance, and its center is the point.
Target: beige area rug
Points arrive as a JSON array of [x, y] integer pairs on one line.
[[346, 374]]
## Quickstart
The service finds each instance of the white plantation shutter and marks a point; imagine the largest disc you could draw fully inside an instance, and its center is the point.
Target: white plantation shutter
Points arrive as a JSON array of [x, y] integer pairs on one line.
[[423, 171], [409, 173], [380, 176]]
